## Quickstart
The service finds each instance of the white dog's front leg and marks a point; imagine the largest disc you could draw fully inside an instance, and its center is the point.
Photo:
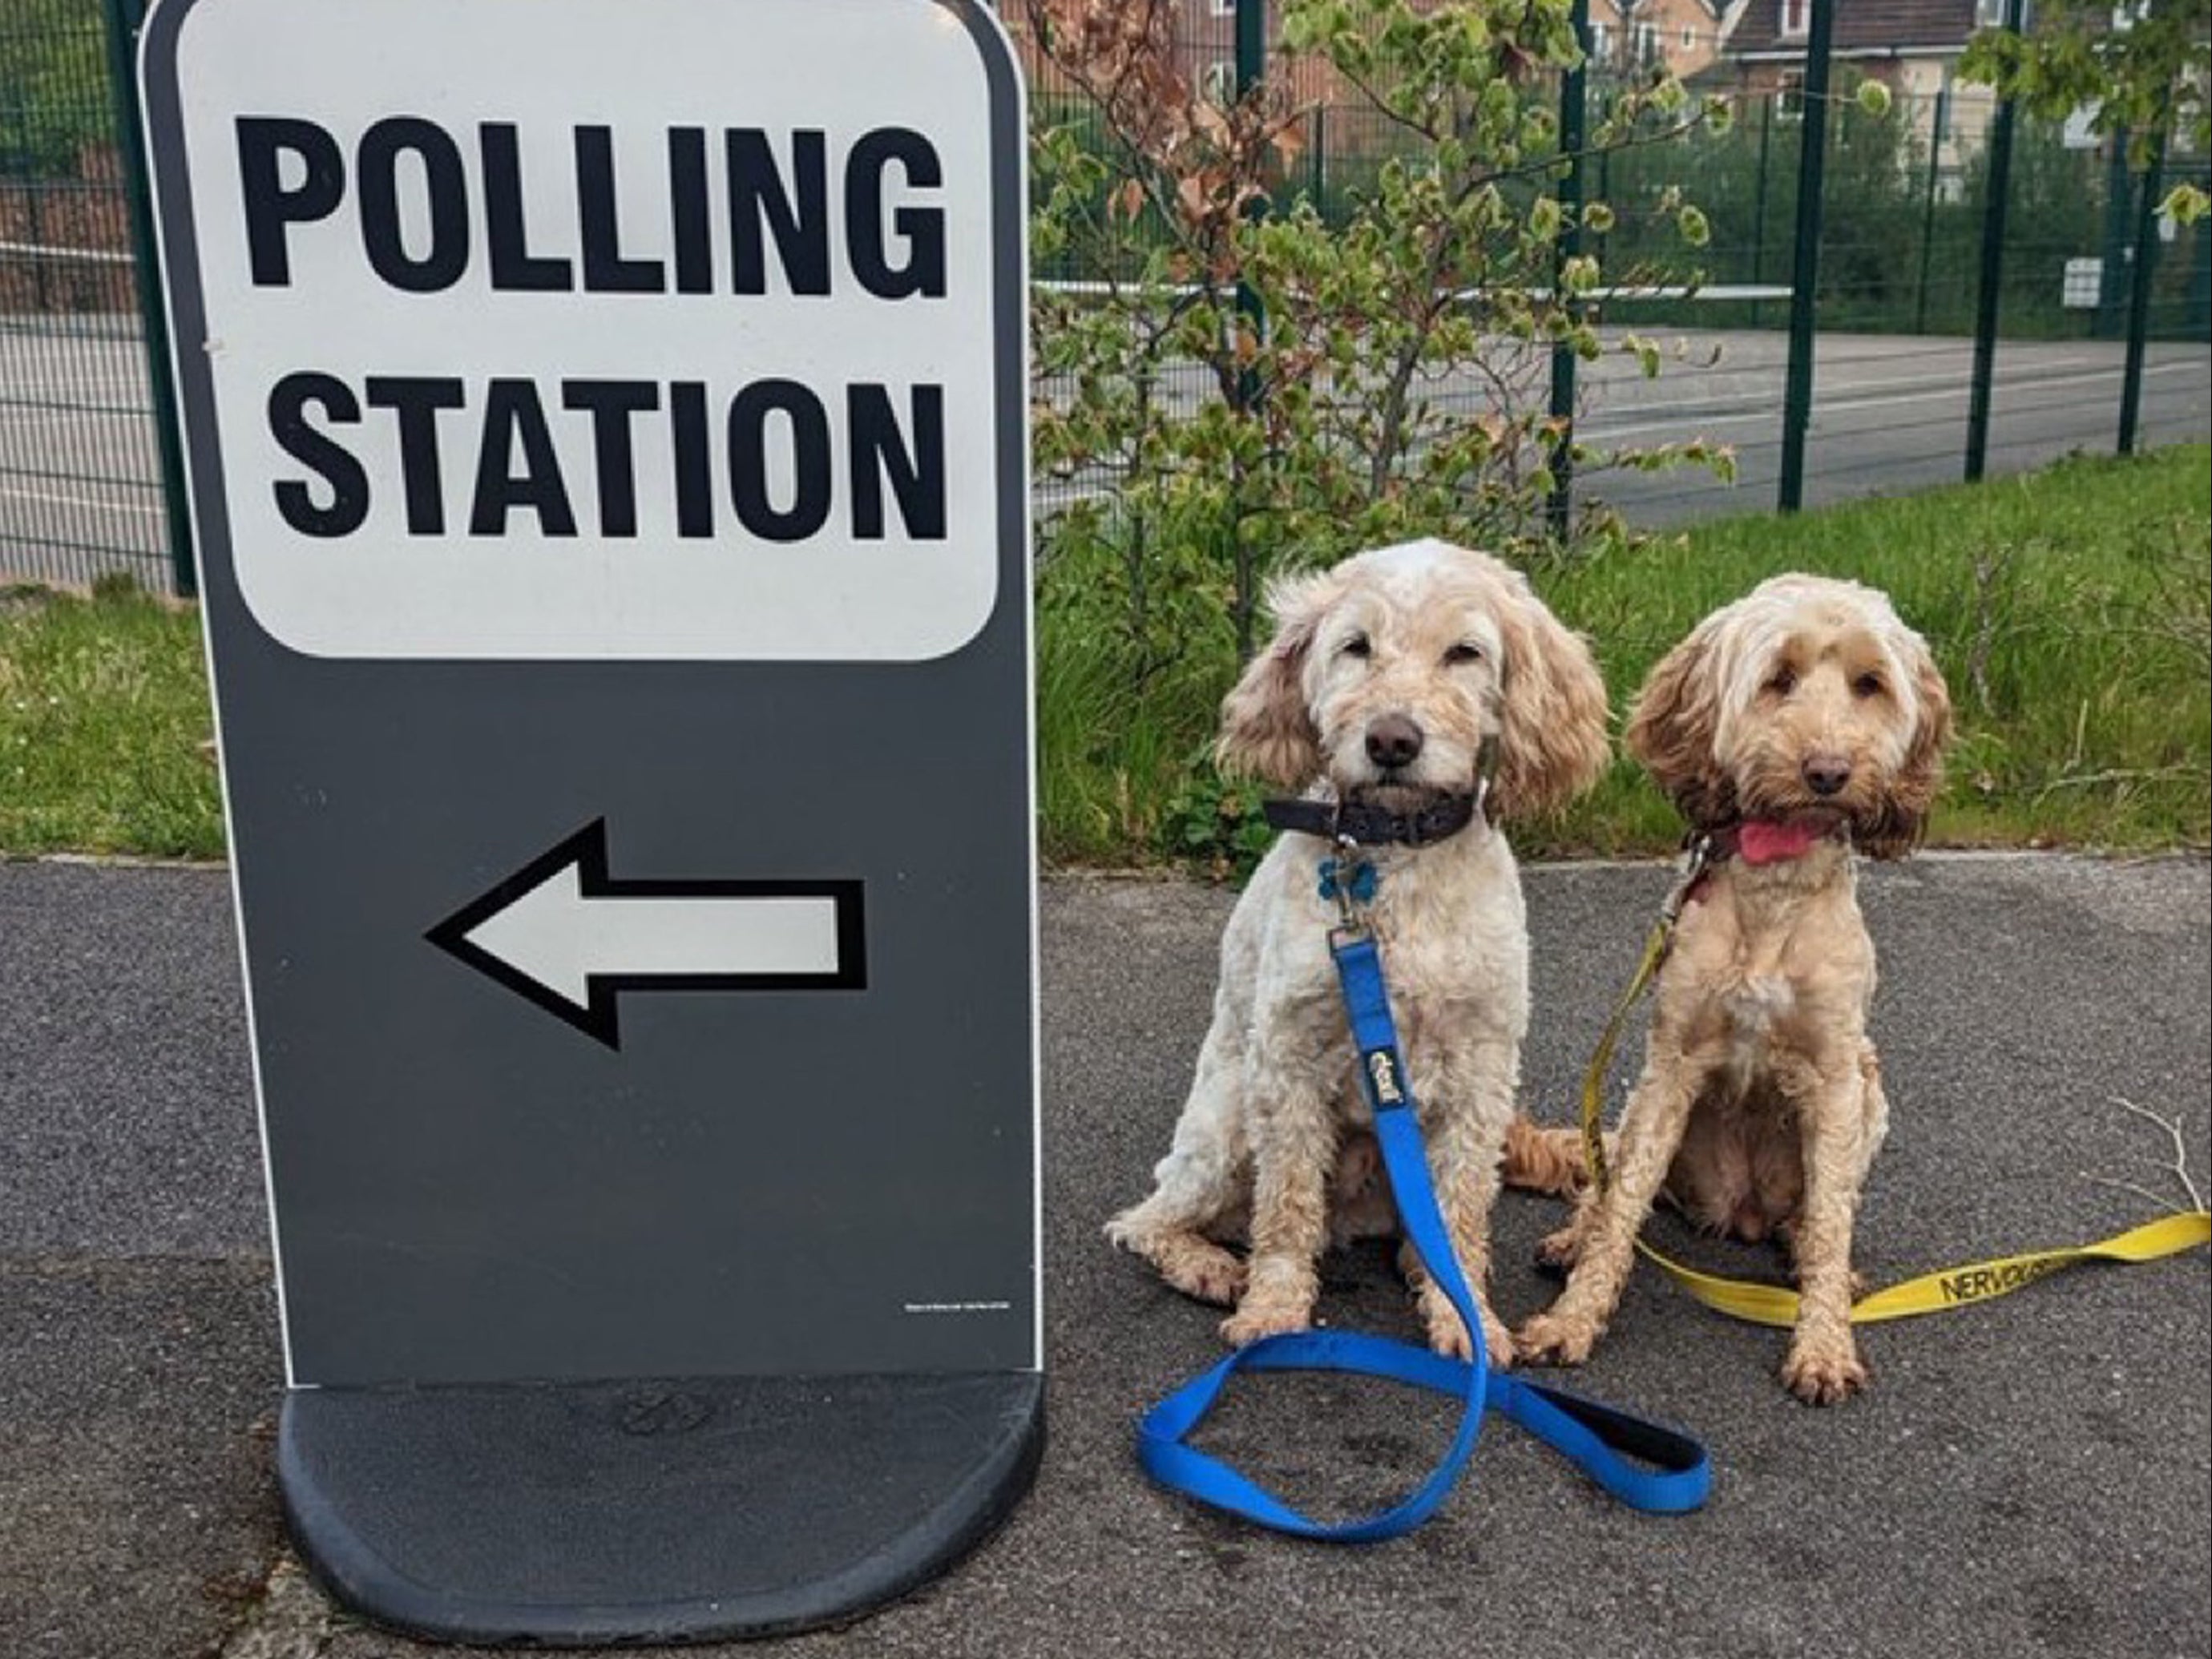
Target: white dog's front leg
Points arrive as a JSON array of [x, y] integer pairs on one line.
[[1466, 1101], [1293, 1136]]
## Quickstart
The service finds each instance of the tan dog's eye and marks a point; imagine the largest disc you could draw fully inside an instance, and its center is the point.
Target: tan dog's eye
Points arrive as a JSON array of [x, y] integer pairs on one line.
[[1357, 646], [1784, 681], [1462, 652], [1867, 685]]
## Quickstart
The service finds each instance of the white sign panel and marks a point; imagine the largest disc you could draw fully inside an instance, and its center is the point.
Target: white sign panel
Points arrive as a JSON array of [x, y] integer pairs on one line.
[[704, 374]]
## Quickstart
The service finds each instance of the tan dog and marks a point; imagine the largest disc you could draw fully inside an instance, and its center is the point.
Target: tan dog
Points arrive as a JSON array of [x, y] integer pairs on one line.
[[1386, 676], [1799, 723]]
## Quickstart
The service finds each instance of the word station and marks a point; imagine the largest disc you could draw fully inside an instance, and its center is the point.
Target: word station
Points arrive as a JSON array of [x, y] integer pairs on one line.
[[433, 211]]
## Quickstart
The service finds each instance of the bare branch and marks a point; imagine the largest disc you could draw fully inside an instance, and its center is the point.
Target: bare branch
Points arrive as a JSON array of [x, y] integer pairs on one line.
[[2180, 1168]]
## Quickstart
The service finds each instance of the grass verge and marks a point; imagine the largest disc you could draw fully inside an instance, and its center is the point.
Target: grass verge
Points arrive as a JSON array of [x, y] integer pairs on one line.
[[2069, 609], [103, 711]]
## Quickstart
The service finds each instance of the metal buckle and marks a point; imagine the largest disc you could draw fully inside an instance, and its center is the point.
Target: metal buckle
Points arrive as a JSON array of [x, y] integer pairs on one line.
[[1701, 860], [1351, 924]]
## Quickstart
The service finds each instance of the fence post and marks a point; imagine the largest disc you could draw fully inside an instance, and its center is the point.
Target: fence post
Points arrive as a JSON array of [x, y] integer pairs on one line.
[[1560, 509], [2119, 197], [2199, 325], [1805, 265], [2139, 293], [1999, 187], [123, 17], [1758, 203], [1941, 120], [1251, 67]]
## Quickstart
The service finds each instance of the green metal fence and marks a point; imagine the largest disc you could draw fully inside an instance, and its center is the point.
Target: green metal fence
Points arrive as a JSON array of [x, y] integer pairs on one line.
[[82, 481], [86, 443]]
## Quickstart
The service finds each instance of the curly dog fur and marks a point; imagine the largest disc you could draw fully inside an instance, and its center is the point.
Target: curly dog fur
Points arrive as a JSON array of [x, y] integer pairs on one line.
[[1809, 720], [1385, 677]]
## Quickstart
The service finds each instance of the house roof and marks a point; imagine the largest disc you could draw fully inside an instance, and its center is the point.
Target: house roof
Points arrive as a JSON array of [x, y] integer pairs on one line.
[[1860, 26]]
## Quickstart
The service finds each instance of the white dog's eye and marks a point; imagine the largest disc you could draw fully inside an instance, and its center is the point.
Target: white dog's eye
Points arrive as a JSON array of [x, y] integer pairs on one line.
[[1463, 652], [1783, 682], [1357, 646], [1867, 685]]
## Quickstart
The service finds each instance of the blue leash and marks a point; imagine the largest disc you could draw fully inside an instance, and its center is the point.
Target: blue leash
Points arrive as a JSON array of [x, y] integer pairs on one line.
[[1646, 1467]]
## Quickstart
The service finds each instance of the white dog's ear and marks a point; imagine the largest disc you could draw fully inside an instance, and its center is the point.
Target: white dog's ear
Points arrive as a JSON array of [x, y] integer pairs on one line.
[[1905, 804], [1675, 723], [1552, 744], [1266, 730]]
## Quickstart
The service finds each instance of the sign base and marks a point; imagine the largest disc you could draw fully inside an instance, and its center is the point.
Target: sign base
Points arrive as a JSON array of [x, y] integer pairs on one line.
[[579, 1514]]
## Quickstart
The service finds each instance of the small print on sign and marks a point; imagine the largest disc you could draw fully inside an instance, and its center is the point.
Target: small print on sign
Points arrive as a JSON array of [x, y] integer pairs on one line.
[[564, 350]]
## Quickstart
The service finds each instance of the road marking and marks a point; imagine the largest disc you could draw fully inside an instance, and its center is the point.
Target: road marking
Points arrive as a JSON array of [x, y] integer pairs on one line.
[[57, 498], [1769, 415]]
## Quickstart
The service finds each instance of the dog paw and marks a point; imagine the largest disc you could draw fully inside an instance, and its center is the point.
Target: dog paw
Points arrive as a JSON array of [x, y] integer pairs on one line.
[[1561, 1249], [1212, 1276], [1190, 1262], [1447, 1332], [1199, 1268], [1549, 1339], [1256, 1319], [1550, 1161], [1825, 1374]]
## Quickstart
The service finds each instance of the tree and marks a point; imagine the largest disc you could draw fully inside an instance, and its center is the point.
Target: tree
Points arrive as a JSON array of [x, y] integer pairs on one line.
[[2144, 70], [55, 100], [1368, 373]]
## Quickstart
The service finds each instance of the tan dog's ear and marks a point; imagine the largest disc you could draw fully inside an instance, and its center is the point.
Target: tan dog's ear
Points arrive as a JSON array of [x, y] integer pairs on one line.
[[1552, 743], [1266, 730], [1897, 828], [1673, 725]]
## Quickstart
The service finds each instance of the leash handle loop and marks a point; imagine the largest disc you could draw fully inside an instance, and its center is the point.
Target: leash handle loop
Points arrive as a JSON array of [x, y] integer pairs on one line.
[[1648, 1468]]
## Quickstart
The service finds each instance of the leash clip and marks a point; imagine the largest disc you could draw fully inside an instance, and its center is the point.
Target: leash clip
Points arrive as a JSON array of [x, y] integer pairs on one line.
[[1349, 878], [1701, 861]]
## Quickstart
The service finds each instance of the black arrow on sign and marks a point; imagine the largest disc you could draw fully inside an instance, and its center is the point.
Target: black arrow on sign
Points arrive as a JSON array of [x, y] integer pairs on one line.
[[564, 933]]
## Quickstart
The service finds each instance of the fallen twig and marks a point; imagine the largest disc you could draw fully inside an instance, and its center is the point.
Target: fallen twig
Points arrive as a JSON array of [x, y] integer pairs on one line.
[[2179, 1168]]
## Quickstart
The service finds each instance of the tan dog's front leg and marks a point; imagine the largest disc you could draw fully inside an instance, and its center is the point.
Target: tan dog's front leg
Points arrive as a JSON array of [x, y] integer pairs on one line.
[[1823, 1364], [1294, 1155], [1466, 1104], [1607, 1225]]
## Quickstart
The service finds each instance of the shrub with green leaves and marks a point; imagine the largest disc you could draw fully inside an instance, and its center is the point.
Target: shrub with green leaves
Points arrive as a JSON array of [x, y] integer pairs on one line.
[[1287, 383]]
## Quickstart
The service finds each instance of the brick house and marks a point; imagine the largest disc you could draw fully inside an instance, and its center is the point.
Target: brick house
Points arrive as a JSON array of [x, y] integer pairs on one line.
[[1631, 36], [1627, 38], [1910, 47]]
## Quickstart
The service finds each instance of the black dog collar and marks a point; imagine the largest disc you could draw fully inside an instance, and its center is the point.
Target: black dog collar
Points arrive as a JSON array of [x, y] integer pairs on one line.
[[1374, 826]]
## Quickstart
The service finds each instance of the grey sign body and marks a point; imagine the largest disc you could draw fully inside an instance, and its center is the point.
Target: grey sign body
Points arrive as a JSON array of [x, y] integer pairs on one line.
[[640, 955]]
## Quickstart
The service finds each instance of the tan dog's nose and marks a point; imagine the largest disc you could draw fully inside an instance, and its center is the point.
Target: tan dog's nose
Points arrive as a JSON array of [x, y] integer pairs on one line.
[[1825, 774], [1392, 741]]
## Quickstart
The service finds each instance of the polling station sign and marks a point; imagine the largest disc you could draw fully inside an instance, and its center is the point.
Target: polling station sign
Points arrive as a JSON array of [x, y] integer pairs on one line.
[[606, 434], [720, 322]]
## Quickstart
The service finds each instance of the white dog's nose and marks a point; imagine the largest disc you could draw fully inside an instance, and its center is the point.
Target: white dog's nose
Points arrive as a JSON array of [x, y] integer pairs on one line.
[[1392, 741]]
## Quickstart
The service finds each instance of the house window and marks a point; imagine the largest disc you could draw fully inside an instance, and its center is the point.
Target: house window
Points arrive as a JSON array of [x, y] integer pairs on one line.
[[1789, 98], [1221, 81], [1600, 47], [1689, 39], [1796, 16], [1224, 7], [1647, 45]]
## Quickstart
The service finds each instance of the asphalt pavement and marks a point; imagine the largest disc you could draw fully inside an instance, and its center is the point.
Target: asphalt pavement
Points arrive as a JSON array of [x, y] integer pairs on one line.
[[2031, 1476]]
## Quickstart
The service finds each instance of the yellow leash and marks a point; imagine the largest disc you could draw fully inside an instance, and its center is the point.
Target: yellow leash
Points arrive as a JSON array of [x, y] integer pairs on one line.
[[1776, 1304]]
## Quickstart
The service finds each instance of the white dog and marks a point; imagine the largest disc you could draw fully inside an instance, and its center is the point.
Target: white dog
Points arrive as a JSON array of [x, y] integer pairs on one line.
[[1389, 680]]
